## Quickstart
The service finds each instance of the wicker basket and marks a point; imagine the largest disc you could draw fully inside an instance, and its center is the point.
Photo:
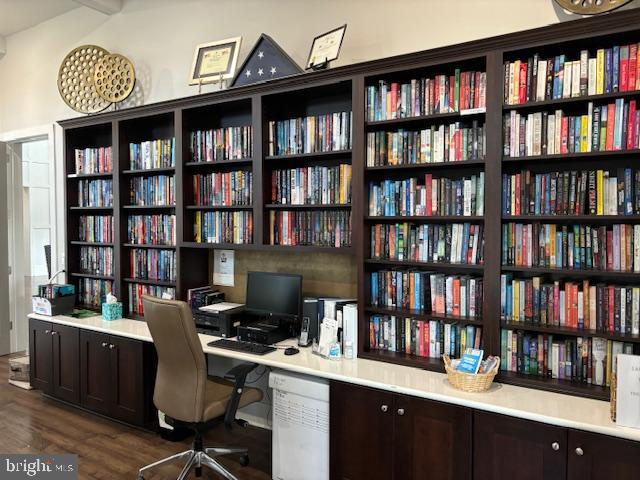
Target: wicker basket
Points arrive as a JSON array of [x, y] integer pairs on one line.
[[468, 382]]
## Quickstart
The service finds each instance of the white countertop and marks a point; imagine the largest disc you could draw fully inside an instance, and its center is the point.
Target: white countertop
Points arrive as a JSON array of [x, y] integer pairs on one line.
[[548, 407]]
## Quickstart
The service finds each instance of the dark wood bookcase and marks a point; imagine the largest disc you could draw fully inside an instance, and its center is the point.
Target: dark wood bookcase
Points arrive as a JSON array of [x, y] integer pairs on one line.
[[343, 89]]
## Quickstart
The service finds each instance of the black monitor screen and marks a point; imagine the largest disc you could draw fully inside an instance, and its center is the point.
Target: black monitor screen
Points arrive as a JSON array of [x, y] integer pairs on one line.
[[274, 293]]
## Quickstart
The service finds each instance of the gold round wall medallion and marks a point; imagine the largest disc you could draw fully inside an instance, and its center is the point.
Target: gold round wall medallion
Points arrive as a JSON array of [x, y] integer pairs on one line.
[[75, 79], [114, 77], [591, 7]]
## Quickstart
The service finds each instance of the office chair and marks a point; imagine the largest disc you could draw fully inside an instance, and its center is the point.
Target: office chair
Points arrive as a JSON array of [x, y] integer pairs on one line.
[[184, 392]]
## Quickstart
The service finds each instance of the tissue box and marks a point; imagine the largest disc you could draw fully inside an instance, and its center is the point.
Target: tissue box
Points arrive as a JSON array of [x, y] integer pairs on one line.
[[112, 311]]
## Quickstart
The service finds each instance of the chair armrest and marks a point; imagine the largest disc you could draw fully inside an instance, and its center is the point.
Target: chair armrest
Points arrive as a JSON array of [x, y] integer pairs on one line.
[[238, 375]]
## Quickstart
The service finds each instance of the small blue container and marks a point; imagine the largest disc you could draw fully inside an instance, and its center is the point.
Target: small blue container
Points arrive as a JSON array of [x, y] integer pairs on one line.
[[112, 311]]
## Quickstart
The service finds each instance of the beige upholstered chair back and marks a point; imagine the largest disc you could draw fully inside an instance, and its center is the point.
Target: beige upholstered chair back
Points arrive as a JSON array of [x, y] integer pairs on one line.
[[182, 368]]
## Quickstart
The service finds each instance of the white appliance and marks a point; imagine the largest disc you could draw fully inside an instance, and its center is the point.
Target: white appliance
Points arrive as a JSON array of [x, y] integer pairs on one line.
[[300, 427]]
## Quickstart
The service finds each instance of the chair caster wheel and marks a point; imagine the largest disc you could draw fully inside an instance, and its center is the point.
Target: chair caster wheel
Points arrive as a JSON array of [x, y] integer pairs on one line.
[[140, 476], [242, 423], [244, 460]]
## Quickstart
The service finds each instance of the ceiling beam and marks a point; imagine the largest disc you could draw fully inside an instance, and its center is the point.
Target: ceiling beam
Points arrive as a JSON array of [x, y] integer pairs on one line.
[[3, 46], [108, 7]]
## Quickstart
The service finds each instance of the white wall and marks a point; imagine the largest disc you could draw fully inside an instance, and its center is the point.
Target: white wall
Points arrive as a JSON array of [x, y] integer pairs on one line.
[[159, 36]]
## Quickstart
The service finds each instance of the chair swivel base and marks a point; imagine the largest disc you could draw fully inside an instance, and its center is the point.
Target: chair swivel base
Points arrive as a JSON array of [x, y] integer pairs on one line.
[[198, 458]]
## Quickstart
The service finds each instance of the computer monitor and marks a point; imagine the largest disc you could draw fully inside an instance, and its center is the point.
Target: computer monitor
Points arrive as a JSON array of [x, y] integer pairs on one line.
[[277, 295]]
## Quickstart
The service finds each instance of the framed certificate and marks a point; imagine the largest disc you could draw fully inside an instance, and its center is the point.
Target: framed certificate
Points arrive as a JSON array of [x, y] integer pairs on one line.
[[215, 61], [326, 47]]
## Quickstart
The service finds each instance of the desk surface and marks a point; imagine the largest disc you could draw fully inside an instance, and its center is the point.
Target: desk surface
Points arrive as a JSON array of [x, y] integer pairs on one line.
[[537, 405]]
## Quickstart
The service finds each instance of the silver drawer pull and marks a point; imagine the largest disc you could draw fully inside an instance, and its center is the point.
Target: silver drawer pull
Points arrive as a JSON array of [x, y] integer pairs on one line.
[[401, 411], [555, 446], [111, 346], [384, 408], [104, 344], [579, 452]]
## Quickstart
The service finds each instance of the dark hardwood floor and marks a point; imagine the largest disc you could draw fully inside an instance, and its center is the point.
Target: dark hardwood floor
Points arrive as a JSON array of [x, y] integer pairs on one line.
[[30, 423]]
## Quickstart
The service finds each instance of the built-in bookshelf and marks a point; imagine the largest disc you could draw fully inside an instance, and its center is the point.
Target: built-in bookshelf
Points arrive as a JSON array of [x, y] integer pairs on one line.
[[420, 166]]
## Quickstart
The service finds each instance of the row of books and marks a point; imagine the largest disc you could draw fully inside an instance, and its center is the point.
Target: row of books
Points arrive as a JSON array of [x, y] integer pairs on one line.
[[223, 188], [95, 228], [319, 133], [428, 339], [604, 128], [449, 243], [445, 143], [437, 196], [220, 144], [153, 190], [428, 292], [589, 360], [96, 260], [95, 193], [610, 70], [613, 248], [152, 264], [93, 292], [151, 229], [94, 160], [426, 96], [598, 307], [152, 154], [137, 290], [223, 227], [320, 228], [584, 192], [317, 185]]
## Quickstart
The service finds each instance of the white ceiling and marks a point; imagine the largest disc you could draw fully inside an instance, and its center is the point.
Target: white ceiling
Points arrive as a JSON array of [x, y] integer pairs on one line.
[[17, 15]]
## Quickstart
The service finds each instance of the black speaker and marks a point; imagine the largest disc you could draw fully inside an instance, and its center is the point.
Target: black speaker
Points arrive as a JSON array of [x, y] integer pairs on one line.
[[310, 311]]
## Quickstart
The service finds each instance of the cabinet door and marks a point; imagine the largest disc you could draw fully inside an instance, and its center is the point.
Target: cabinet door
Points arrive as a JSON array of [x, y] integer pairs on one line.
[[127, 383], [508, 448], [361, 426], [40, 355], [599, 457], [66, 363], [95, 371], [432, 440]]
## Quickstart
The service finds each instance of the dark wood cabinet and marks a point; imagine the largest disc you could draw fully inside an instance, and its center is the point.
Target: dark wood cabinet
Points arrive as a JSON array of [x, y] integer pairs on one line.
[[41, 355], [361, 426], [380, 435], [54, 360], [508, 448], [112, 376], [95, 381], [597, 457], [432, 440]]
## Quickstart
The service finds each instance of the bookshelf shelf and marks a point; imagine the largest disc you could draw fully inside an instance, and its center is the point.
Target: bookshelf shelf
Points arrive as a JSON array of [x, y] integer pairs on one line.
[[432, 218], [406, 359], [279, 206], [90, 209], [560, 157], [555, 385], [149, 171], [423, 316], [147, 245], [606, 219], [219, 207], [150, 282], [572, 100], [578, 273], [548, 329], [226, 246], [417, 120], [91, 275], [148, 207], [236, 162], [310, 249], [81, 176], [453, 267], [426, 166], [90, 244], [313, 155]]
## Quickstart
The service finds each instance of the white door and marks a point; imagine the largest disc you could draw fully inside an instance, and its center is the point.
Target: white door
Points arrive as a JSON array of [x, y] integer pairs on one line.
[[31, 220], [5, 317]]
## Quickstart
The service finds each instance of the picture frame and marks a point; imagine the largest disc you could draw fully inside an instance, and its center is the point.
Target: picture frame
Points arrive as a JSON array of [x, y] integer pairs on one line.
[[215, 61], [326, 48]]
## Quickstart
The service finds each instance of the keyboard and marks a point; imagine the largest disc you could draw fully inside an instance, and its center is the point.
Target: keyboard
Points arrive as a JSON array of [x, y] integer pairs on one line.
[[239, 346]]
